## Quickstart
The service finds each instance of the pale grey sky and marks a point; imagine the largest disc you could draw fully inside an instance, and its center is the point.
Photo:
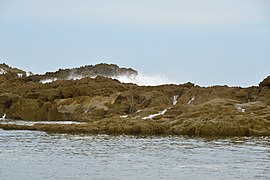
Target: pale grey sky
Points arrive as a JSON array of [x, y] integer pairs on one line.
[[207, 42]]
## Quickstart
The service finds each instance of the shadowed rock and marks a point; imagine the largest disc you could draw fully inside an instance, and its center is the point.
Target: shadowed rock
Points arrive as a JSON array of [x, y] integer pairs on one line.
[[265, 82]]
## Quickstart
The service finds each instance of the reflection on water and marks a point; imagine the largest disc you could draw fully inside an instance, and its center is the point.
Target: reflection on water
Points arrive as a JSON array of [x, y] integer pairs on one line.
[[37, 155]]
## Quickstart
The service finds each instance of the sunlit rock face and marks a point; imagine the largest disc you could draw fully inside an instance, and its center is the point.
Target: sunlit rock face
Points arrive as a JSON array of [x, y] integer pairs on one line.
[[108, 106]]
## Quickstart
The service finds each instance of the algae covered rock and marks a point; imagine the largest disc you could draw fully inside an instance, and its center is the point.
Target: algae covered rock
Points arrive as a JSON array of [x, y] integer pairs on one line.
[[108, 106]]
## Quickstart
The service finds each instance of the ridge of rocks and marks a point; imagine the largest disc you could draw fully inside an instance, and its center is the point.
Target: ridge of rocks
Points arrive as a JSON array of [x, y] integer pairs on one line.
[[102, 69], [108, 106], [10, 72]]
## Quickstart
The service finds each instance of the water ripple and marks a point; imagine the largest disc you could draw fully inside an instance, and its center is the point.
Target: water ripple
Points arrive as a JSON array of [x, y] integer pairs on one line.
[[37, 155]]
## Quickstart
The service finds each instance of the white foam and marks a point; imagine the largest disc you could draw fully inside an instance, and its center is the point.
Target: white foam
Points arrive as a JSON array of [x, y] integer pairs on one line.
[[239, 108], [70, 77], [151, 116], [144, 80], [45, 81], [3, 117], [2, 71], [20, 75], [28, 74], [31, 123], [124, 116], [140, 79], [73, 76], [192, 99], [175, 98]]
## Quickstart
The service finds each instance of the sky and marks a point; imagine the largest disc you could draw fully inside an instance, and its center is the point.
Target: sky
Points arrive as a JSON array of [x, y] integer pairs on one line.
[[207, 42]]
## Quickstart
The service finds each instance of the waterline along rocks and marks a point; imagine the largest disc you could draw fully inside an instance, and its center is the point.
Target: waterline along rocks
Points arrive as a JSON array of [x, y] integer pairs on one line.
[[88, 94]]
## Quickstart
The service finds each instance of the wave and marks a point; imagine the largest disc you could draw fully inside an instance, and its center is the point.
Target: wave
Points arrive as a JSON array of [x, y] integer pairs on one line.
[[144, 80], [140, 79]]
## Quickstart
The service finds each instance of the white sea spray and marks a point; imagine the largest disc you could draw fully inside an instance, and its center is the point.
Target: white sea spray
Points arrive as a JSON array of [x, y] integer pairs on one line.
[[175, 98], [151, 116], [192, 99]]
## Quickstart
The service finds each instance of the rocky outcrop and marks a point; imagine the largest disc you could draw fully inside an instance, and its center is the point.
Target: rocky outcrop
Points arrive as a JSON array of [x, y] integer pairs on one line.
[[9, 72], [105, 70], [108, 106], [265, 82]]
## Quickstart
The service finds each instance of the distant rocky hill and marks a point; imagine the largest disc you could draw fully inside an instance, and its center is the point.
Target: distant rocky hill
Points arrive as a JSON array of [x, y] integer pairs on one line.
[[9, 71], [109, 106], [105, 70]]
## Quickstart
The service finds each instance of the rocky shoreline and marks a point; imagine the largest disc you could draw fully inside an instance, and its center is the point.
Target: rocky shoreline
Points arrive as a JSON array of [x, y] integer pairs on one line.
[[109, 106]]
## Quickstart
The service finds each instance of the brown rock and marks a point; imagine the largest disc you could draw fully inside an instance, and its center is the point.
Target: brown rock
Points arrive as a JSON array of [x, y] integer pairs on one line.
[[109, 106]]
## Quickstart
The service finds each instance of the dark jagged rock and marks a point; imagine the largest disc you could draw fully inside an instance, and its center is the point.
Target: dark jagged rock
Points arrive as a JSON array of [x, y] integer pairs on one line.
[[106, 70], [108, 106], [265, 82]]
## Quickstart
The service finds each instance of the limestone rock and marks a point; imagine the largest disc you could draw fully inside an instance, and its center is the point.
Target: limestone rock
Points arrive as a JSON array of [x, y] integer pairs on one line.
[[108, 106]]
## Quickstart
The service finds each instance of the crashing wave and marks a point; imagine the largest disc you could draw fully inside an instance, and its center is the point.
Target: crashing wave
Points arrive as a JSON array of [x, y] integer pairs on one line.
[[45, 81], [144, 80], [140, 79]]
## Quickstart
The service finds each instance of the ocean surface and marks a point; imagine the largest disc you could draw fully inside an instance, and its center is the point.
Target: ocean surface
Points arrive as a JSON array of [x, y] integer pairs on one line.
[[38, 155]]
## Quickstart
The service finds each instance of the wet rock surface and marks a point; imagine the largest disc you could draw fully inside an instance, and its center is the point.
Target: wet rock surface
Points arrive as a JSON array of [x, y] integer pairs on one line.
[[108, 106]]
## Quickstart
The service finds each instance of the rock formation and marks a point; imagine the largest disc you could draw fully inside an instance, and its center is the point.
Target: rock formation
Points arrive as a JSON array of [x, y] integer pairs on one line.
[[108, 106], [106, 70]]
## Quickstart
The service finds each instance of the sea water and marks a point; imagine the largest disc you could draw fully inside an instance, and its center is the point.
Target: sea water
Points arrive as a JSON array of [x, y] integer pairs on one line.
[[38, 155]]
